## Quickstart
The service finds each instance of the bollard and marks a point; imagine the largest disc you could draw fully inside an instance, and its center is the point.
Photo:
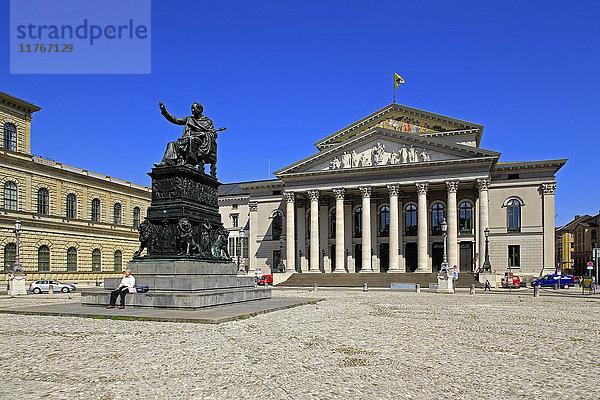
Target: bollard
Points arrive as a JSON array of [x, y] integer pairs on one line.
[[555, 286], [315, 287], [536, 291], [472, 289], [365, 287], [51, 289], [417, 288]]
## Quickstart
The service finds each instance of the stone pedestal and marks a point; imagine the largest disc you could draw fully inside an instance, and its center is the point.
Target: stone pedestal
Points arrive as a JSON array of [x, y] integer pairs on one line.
[[445, 282], [494, 278], [183, 284], [16, 284]]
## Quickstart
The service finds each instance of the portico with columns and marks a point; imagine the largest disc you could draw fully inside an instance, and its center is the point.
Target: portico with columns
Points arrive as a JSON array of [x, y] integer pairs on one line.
[[374, 196]]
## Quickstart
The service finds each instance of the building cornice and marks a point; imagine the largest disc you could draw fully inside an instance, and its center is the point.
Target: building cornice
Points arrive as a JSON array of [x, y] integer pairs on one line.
[[17, 104], [523, 165]]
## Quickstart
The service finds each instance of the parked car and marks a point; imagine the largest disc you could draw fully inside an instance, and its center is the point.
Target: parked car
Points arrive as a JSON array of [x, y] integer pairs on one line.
[[265, 280], [44, 286], [563, 281], [511, 281]]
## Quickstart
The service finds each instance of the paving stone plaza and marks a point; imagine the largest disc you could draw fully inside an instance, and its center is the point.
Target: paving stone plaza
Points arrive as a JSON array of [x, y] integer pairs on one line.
[[353, 345]]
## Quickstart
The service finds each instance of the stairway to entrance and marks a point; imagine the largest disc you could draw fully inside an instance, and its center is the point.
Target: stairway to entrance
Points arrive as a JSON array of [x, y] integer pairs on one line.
[[376, 280]]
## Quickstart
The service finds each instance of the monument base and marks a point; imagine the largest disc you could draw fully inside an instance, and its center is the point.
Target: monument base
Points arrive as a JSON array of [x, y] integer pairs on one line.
[[182, 284], [445, 282], [16, 284]]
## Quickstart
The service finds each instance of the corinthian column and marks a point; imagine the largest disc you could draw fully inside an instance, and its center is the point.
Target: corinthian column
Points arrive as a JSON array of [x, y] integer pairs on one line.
[[339, 230], [483, 185], [394, 258], [422, 263], [314, 230], [290, 234], [366, 229], [548, 190], [452, 220]]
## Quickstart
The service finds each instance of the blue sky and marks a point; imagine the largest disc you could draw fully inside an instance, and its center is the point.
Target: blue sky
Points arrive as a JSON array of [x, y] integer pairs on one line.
[[282, 75]]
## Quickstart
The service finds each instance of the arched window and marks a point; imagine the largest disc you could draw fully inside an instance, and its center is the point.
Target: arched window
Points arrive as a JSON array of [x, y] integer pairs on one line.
[[71, 259], [465, 217], [10, 256], [437, 217], [358, 222], [593, 234], [10, 196], [513, 215], [384, 221], [117, 214], [332, 224], [136, 217], [43, 258], [410, 219], [10, 136], [277, 226], [118, 260], [71, 210], [43, 201], [96, 261], [96, 210]]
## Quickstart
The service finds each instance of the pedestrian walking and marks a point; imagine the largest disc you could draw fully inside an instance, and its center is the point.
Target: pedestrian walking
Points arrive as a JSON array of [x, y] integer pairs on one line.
[[487, 286]]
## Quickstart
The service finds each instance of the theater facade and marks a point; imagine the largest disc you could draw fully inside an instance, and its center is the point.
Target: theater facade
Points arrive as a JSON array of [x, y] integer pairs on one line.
[[374, 195]]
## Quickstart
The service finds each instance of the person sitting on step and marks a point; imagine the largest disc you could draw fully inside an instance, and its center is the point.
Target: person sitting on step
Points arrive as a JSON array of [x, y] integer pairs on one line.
[[127, 285]]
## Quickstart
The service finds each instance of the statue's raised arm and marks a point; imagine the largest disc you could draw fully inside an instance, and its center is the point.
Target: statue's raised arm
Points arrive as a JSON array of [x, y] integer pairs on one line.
[[170, 117]]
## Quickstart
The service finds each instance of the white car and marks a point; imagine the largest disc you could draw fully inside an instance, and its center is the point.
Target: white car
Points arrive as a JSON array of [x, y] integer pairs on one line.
[[44, 286]]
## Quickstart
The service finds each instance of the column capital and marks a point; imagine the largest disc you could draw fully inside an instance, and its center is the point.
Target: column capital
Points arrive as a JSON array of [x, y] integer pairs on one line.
[[548, 189], [313, 195], [290, 197], [483, 184], [422, 187], [452, 186], [339, 193], [393, 190], [253, 206], [366, 191]]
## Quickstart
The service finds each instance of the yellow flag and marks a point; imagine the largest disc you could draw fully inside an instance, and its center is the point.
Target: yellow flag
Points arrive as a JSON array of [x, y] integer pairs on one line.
[[397, 80]]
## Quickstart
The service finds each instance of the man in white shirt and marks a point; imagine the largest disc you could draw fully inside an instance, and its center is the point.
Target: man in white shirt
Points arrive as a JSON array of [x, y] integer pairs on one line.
[[127, 282]]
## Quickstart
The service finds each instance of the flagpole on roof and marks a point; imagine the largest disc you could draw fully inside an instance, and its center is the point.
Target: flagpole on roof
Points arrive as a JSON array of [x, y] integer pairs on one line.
[[394, 86]]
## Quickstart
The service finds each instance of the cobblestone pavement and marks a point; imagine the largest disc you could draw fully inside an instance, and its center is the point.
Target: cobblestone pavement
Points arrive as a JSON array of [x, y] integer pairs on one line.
[[353, 345]]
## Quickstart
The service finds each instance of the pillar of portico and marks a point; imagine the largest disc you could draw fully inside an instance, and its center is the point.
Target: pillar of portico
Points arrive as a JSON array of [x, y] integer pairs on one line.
[[324, 256], [548, 190], [394, 257], [422, 263], [339, 230], [290, 234], [366, 229], [483, 185], [313, 195], [301, 224], [401, 262], [252, 240], [452, 220]]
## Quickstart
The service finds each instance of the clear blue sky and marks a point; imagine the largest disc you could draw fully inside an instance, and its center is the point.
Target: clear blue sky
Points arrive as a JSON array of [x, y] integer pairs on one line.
[[282, 75]]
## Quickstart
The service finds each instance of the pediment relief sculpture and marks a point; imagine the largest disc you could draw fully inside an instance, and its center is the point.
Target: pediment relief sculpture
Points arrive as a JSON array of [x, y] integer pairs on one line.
[[379, 156]]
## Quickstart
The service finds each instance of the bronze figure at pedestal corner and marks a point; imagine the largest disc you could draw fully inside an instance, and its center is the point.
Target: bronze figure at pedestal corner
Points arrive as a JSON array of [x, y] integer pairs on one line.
[[198, 144]]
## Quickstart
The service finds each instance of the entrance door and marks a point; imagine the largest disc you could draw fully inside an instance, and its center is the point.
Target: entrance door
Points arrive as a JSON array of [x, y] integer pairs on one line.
[[466, 257], [410, 257], [357, 257], [384, 257], [332, 256], [437, 256]]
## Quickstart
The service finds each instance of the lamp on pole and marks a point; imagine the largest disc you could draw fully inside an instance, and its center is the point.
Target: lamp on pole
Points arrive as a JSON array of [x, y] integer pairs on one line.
[[346, 260], [486, 264], [241, 266], [299, 264], [322, 266], [281, 265], [17, 267], [444, 226]]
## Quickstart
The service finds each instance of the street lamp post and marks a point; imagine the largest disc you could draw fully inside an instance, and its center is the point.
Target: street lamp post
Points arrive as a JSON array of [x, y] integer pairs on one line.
[[17, 267], [299, 266], [281, 265], [346, 260], [486, 264], [445, 235], [323, 264], [241, 266]]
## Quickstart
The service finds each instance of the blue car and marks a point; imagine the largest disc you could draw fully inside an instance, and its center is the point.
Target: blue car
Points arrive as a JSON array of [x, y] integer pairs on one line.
[[563, 281]]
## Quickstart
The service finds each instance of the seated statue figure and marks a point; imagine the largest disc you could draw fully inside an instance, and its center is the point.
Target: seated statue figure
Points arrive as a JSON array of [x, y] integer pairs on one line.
[[197, 145]]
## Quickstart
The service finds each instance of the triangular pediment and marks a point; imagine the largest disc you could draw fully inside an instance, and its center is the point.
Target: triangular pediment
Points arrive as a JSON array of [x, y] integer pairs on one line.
[[403, 119], [379, 147]]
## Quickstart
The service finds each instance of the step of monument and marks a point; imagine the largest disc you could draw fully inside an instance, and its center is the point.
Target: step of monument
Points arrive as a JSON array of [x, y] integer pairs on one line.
[[184, 267], [180, 300], [382, 280], [185, 282]]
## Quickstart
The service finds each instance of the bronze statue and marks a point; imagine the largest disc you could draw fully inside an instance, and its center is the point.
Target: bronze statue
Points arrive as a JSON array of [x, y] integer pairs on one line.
[[197, 145], [146, 234]]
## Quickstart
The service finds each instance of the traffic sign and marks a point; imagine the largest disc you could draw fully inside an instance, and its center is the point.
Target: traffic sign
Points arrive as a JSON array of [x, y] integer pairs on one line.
[[590, 264]]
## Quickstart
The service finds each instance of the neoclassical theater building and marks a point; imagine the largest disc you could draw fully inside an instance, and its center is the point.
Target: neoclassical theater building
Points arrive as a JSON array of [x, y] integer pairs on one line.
[[374, 196]]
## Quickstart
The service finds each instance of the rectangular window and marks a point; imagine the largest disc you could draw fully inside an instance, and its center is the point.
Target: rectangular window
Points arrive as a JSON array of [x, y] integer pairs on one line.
[[234, 206], [232, 246], [514, 256], [245, 247], [513, 176], [235, 220], [277, 262]]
